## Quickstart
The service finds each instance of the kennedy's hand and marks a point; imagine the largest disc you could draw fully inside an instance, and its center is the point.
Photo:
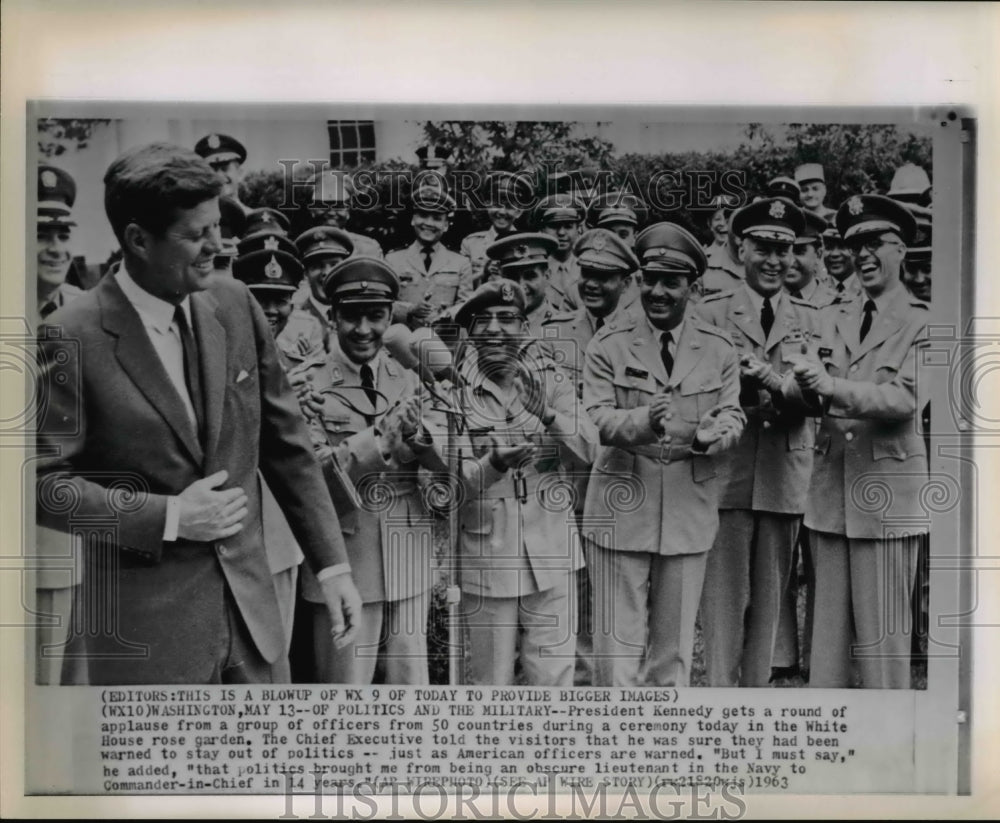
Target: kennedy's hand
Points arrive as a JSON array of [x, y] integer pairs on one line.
[[206, 514], [344, 604]]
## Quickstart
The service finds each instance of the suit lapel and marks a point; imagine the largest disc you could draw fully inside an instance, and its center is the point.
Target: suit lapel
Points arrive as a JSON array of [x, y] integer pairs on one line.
[[688, 351], [140, 361], [743, 316], [645, 349], [212, 350], [884, 323]]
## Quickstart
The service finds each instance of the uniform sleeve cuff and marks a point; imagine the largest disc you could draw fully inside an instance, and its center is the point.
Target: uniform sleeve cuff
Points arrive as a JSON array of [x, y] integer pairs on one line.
[[333, 571], [173, 519]]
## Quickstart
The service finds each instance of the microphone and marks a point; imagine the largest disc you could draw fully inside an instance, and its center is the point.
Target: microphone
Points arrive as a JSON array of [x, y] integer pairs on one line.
[[433, 353], [400, 343]]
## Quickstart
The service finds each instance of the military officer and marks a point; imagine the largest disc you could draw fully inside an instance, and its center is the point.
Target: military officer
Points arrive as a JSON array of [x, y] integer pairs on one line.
[[560, 216], [506, 196], [805, 278], [58, 562], [321, 249], [525, 258], [784, 187], [917, 265], [865, 545], [747, 583], [620, 213], [330, 197], [232, 225], [839, 265], [663, 388], [54, 229], [371, 423], [812, 185], [723, 271], [607, 264], [432, 278], [226, 155], [518, 544]]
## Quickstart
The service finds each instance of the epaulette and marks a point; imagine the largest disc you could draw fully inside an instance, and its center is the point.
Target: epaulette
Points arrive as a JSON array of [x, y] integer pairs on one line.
[[708, 297], [618, 322], [710, 329], [561, 317]]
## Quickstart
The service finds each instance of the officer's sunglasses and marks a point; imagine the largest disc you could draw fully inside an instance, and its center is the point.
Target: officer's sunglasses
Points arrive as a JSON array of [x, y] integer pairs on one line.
[[856, 245]]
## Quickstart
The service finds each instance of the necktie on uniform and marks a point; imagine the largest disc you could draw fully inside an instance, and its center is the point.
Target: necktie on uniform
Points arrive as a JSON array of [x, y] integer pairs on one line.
[[599, 323], [796, 293], [840, 287], [766, 317], [368, 384], [428, 256], [665, 355], [866, 321], [192, 371]]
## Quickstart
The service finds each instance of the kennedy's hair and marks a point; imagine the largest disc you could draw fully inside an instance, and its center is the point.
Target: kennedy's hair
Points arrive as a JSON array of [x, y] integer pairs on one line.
[[146, 186]]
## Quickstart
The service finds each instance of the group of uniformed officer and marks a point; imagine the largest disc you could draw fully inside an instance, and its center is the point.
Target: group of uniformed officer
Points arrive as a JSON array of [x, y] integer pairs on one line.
[[651, 433]]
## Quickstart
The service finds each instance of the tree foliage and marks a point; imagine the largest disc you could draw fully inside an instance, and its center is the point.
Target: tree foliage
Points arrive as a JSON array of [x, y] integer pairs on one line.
[[57, 135]]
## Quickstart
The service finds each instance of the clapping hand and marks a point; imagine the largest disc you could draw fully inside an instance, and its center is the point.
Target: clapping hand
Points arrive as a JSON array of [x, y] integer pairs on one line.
[[531, 392], [813, 376]]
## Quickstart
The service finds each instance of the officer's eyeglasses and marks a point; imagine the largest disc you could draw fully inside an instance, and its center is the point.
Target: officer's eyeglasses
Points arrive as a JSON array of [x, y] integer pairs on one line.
[[874, 245], [508, 321]]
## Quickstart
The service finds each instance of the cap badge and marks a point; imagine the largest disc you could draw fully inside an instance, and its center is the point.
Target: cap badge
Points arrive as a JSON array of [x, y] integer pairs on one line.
[[777, 209], [599, 242], [271, 243], [855, 206], [520, 251], [273, 269], [213, 141], [49, 179], [507, 293], [265, 217], [364, 285]]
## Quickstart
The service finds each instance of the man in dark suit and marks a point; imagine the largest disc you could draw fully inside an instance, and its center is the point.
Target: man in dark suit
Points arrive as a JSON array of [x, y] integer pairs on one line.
[[162, 394]]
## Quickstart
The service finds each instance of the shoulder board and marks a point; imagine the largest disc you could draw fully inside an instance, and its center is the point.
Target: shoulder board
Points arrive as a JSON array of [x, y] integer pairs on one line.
[[558, 317], [801, 301], [722, 334], [709, 297]]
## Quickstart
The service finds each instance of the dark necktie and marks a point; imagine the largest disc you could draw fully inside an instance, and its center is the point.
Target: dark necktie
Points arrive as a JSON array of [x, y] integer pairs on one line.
[[599, 323], [866, 321], [766, 317], [368, 384], [47, 308], [192, 371], [428, 256], [665, 355], [796, 293], [840, 287]]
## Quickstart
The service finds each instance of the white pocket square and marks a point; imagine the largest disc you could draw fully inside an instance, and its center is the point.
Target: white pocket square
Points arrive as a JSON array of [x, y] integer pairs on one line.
[[243, 375]]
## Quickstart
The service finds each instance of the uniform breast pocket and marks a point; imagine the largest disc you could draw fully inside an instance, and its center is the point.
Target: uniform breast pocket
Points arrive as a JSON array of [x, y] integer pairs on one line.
[[697, 397], [444, 287], [633, 391], [339, 425]]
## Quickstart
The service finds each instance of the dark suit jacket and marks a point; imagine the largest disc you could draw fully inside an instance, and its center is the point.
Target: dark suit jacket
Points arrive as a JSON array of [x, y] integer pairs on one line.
[[115, 441]]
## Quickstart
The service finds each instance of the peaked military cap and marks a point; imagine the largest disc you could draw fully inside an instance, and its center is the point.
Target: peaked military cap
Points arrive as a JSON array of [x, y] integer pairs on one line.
[[270, 269], [265, 221], [232, 218], [668, 247], [267, 242], [617, 207], [433, 200], [361, 280], [220, 148], [500, 292], [332, 186], [785, 187], [910, 183], [874, 214], [522, 249], [557, 208], [923, 236], [808, 172], [814, 228], [56, 196], [603, 250], [324, 241], [771, 218]]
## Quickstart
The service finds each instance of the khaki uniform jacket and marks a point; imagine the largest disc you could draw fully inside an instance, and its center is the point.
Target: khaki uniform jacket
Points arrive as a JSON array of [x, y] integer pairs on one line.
[[305, 333], [564, 279], [389, 539], [871, 463], [718, 279], [365, 246], [769, 468], [819, 293], [852, 289], [511, 547], [661, 497], [447, 282]]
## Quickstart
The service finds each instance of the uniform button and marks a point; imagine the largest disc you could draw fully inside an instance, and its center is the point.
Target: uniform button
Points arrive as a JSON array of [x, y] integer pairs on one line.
[[668, 415], [767, 424], [223, 550], [849, 436], [854, 367]]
